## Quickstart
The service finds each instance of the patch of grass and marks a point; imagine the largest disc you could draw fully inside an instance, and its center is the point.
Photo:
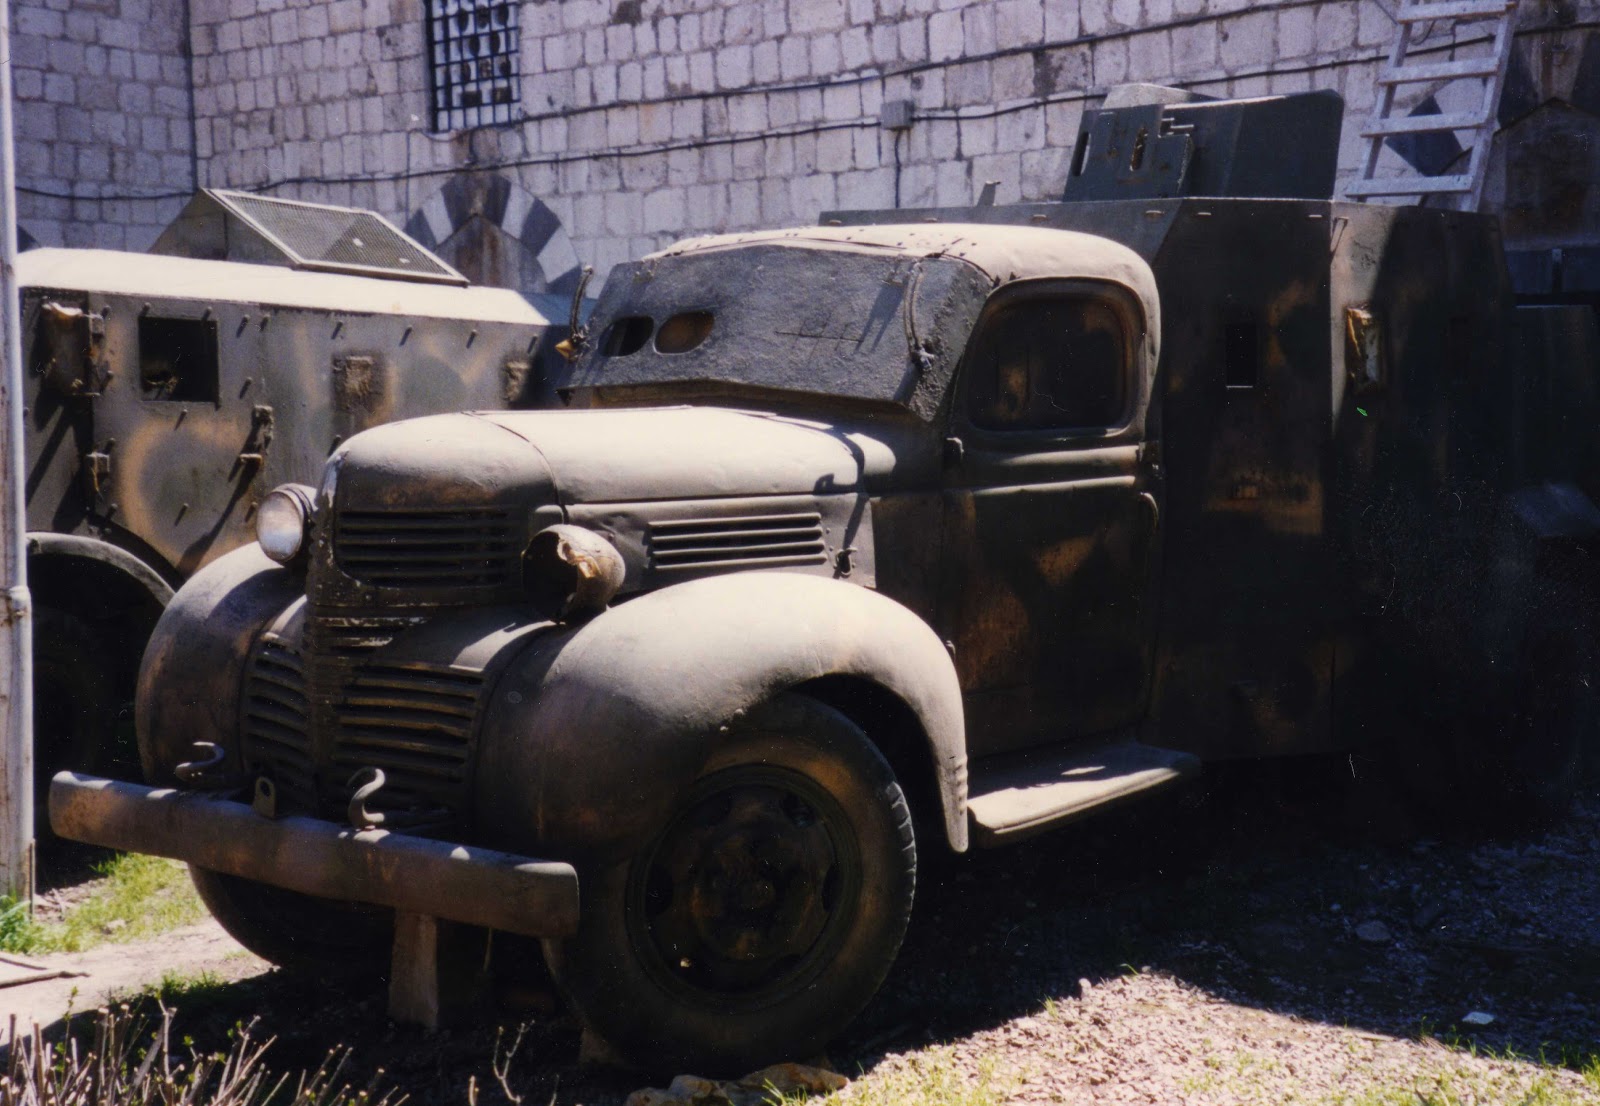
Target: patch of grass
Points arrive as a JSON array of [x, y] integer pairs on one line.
[[1581, 1058], [138, 896], [185, 985], [1464, 1087], [18, 931]]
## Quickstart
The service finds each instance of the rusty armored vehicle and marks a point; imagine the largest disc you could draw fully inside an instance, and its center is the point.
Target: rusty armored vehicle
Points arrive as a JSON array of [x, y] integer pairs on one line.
[[918, 531], [169, 392]]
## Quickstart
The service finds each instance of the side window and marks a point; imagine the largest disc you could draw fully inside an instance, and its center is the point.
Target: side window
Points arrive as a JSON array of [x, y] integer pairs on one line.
[[178, 359], [1055, 362]]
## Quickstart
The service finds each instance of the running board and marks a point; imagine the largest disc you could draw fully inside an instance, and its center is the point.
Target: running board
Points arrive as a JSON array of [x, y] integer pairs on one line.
[[1020, 794]]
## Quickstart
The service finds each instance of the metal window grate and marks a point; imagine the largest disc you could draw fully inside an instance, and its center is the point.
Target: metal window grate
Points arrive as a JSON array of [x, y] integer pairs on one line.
[[474, 46]]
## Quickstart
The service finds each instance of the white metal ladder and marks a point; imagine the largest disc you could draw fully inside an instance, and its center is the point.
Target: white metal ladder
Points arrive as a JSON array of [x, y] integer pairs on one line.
[[1466, 188]]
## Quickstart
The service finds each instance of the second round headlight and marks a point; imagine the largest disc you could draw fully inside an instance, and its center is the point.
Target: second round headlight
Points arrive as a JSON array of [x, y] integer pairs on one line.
[[283, 521]]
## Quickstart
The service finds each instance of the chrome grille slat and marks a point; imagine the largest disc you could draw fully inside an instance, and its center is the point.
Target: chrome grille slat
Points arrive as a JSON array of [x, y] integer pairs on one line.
[[415, 722], [404, 717], [277, 737], [412, 548]]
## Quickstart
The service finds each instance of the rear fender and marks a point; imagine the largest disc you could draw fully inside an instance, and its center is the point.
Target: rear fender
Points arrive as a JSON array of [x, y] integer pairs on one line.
[[591, 733]]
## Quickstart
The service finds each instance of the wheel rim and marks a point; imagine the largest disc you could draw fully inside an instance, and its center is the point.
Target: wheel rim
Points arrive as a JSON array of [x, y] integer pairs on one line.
[[750, 890]]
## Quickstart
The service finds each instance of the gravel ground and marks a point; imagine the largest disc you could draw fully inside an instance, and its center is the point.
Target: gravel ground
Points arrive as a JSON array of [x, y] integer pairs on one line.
[[1295, 934], [1287, 936]]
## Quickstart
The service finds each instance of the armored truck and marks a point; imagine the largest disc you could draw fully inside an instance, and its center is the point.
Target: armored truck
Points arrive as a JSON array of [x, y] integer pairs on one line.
[[849, 544], [167, 393]]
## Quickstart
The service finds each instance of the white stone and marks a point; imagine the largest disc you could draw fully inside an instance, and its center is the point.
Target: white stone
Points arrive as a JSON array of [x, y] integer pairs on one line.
[[794, 58], [1194, 49], [1336, 27], [733, 67], [841, 103], [1012, 78], [1061, 20], [913, 34], [1247, 41], [945, 36], [855, 48], [811, 16], [825, 56], [1150, 57], [1297, 36], [977, 29], [1018, 23]]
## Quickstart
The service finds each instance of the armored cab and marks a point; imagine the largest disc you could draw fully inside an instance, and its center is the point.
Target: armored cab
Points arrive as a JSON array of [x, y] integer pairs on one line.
[[168, 392]]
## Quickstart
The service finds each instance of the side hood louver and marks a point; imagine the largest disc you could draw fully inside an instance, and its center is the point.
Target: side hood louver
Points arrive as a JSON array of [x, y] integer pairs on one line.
[[749, 540]]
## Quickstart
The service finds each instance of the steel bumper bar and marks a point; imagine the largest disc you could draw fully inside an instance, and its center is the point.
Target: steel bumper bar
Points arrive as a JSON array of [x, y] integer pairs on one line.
[[417, 875]]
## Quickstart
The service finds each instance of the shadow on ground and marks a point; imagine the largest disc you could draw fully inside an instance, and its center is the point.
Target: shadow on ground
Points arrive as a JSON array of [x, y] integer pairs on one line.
[[1284, 887]]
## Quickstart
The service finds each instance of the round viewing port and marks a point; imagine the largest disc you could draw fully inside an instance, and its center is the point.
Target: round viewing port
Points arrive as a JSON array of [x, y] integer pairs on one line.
[[683, 332]]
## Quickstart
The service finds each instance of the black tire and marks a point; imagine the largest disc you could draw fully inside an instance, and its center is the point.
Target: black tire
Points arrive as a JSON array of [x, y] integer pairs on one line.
[[300, 932], [765, 913], [75, 703]]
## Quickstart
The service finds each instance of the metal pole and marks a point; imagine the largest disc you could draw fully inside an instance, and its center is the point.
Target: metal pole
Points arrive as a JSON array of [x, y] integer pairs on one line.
[[16, 623]]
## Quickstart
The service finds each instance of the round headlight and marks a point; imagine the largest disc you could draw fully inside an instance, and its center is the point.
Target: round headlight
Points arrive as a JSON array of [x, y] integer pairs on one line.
[[283, 521]]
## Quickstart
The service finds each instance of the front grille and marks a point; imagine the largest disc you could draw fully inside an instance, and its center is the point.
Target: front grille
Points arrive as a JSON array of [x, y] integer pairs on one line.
[[429, 549], [750, 540], [414, 722], [277, 739]]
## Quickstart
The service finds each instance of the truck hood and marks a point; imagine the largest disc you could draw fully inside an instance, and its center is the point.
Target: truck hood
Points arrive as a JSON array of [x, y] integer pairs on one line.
[[635, 454]]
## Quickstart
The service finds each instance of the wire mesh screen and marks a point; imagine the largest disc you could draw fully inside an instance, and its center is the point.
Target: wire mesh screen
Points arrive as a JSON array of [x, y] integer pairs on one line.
[[338, 238], [474, 47]]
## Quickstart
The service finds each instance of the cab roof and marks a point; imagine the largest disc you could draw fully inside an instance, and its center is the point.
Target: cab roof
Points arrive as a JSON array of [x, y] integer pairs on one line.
[[1004, 253], [156, 276]]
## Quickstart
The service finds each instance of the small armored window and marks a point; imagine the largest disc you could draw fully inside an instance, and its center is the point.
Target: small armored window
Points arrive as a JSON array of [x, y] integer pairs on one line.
[[473, 52], [178, 359], [1056, 362], [683, 332], [1080, 154], [627, 335], [1241, 353]]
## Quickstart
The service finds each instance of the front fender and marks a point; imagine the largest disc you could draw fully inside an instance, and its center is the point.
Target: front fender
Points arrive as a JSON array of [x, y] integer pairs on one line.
[[193, 668], [590, 735]]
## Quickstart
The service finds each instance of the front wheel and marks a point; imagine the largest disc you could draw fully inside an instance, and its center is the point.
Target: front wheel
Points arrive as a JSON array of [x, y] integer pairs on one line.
[[299, 932], [766, 911]]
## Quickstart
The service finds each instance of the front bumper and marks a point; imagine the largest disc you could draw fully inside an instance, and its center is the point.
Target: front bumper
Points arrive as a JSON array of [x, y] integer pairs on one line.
[[417, 875]]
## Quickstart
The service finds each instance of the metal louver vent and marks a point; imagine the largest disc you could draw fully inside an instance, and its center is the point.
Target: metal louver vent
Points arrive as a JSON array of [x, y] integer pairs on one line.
[[750, 540], [277, 739], [336, 239], [415, 723], [429, 549]]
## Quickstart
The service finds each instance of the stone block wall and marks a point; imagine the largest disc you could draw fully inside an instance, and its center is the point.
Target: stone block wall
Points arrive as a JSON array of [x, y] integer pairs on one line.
[[647, 120], [102, 110]]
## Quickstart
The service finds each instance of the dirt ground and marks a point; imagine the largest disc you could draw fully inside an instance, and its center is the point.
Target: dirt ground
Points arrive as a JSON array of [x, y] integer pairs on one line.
[[1285, 936]]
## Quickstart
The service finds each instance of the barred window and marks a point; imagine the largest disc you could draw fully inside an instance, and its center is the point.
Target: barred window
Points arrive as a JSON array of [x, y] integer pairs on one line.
[[474, 46]]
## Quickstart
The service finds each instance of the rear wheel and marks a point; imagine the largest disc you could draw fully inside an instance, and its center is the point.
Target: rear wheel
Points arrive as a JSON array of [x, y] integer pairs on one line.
[[766, 911], [1508, 756], [75, 703], [298, 931]]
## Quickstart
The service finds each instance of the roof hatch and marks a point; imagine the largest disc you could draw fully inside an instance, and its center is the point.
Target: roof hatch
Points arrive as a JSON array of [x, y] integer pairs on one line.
[[220, 225]]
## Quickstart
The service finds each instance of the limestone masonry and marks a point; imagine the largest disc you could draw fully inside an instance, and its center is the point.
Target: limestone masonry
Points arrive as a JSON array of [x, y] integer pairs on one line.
[[640, 121]]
